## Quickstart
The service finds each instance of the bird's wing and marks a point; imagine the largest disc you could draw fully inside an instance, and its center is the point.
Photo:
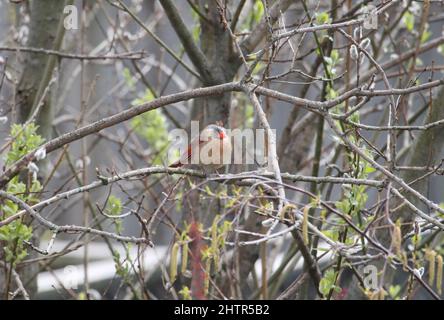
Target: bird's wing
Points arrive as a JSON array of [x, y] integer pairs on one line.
[[186, 156]]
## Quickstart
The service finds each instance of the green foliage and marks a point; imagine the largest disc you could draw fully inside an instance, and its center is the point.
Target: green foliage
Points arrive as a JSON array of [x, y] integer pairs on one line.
[[323, 18], [217, 234], [147, 97], [18, 189], [249, 115], [335, 56], [152, 127], [328, 282], [128, 78], [332, 234], [258, 11], [185, 293], [114, 206], [196, 32], [439, 214], [354, 200], [425, 35], [331, 93], [14, 234], [25, 139], [416, 239], [409, 21], [179, 195], [82, 296], [331, 62], [441, 49], [196, 27], [394, 291], [254, 16], [174, 261], [183, 241], [258, 68], [355, 196], [122, 268]]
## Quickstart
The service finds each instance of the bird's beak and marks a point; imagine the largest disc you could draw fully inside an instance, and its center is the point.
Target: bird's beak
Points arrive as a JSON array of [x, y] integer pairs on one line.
[[221, 135]]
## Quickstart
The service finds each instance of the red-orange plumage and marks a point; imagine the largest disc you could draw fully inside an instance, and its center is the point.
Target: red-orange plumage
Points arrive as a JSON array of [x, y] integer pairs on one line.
[[211, 134]]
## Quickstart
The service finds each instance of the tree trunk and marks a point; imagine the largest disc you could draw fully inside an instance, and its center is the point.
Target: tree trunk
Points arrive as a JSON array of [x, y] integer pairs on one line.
[[46, 31]]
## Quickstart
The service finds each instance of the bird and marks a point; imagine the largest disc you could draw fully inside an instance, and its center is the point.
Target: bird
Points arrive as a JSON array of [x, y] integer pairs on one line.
[[208, 150]]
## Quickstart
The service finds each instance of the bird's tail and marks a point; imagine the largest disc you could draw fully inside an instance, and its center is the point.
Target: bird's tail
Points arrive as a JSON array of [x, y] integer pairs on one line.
[[175, 165]]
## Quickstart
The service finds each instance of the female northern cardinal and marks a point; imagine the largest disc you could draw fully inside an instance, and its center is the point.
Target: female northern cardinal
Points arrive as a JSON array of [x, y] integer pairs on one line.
[[209, 149]]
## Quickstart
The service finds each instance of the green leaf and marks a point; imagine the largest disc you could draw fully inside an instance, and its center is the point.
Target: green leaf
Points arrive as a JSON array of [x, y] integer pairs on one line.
[[425, 36], [185, 292], [258, 11], [152, 126], [409, 21], [114, 205], [128, 78], [25, 139], [146, 97], [196, 32], [394, 291], [369, 169], [335, 55], [328, 282], [323, 18], [249, 115]]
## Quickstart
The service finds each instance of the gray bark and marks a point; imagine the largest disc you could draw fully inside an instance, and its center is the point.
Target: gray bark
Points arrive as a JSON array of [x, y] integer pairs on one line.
[[46, 31]]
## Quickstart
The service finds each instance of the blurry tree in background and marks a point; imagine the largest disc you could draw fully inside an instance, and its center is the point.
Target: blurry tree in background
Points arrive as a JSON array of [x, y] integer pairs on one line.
[[348, 205]]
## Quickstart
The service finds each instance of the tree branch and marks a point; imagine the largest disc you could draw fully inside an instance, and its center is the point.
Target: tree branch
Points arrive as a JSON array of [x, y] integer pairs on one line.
[[259, 32], [67, 228], [135, 55], [197, 57]]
